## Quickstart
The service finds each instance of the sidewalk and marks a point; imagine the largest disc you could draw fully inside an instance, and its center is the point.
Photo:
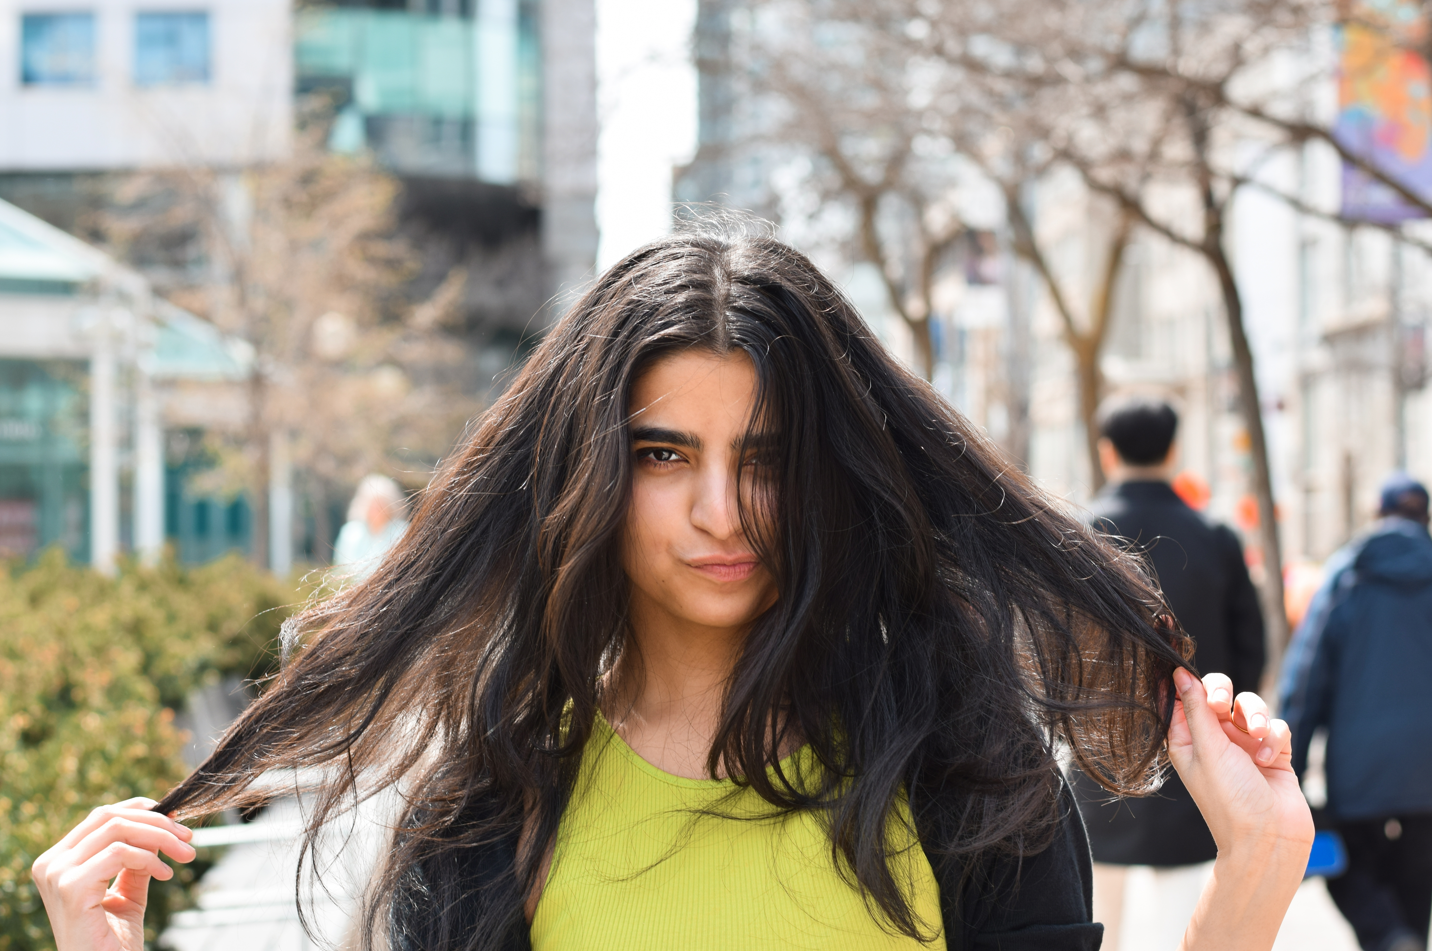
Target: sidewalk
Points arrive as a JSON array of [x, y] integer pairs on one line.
[[246, 901], [1313, 923], [1156, 910]]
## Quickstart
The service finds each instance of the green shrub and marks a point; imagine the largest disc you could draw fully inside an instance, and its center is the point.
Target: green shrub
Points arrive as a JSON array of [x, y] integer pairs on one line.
[[92, 669]]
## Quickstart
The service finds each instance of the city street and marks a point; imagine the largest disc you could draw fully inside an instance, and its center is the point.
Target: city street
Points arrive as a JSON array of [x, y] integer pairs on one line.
[[906, 390]]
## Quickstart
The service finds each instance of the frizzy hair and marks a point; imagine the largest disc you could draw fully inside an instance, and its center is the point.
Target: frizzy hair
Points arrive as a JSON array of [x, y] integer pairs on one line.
[[943, 628]]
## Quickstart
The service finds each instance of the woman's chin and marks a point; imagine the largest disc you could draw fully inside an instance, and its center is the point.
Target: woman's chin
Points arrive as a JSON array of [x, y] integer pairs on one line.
[[734, 617]]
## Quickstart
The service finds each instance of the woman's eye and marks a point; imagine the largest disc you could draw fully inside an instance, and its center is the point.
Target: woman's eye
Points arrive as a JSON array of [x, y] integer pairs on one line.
[[660, 456]]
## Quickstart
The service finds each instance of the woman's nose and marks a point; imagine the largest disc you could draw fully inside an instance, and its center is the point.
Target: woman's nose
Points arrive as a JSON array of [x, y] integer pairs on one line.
[[715, 509]]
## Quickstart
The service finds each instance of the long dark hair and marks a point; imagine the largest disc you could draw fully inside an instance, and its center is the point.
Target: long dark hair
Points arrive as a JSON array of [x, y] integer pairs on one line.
[[943, 628]]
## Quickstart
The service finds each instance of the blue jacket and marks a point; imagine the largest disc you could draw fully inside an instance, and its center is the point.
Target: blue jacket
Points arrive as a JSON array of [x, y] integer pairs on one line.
[[1359, 666]]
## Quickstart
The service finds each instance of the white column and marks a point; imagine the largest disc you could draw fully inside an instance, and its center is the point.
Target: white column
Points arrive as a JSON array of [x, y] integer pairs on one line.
[[104, 451], [148, 472], [569, 146], [280, 504], [495, 70]]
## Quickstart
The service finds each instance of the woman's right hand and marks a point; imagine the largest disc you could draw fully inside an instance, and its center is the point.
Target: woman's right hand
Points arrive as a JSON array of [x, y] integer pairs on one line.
[[95, 881]]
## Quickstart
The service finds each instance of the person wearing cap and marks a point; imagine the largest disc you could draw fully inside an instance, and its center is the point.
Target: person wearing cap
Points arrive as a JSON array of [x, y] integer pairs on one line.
[[1199, 565], [1357, 666]]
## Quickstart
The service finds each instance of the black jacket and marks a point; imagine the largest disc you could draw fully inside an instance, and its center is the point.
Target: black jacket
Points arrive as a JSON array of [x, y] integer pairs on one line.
[[1358, 666], [1042, 902], [1199, 565]]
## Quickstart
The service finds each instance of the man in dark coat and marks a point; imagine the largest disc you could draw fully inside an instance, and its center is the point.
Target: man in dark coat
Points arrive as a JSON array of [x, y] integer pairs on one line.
[[1199, 565], [1358, 666]]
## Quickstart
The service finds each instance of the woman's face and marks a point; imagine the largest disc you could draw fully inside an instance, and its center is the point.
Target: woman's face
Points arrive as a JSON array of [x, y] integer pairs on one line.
[[684, 551]]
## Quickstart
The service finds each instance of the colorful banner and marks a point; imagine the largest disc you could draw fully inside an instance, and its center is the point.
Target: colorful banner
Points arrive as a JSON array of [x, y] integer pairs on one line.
[[1384, 109]]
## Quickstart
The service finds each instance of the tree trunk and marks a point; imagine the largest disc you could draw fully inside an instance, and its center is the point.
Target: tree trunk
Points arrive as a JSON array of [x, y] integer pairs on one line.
[[874, 253], [1018, 370], [1275, 615], [1088, 349], [258, 438], [924, 346], [1275, 612], [1086, 346], [1091, 387]]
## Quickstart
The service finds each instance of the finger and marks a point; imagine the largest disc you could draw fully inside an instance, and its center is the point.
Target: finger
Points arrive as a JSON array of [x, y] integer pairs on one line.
[[140, 834], [1220, 694], [129, 886], [1275, 751], [98, 816], [1250, 714], [60, 857], [1239, 737], [1178, 734], [86, 883], [138, 809], [1203, 726]]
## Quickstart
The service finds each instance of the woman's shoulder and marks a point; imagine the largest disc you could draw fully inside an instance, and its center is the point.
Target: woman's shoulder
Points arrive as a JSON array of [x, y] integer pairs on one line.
[[1035, 900]]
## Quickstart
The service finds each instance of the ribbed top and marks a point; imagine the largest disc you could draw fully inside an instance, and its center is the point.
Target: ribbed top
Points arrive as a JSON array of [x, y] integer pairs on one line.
[[636, 865]]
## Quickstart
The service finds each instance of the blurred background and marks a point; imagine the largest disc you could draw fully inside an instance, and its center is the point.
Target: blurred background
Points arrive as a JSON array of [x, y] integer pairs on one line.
[[254, 251]]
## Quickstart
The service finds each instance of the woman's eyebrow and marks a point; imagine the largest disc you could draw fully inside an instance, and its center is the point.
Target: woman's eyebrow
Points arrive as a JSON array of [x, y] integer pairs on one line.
[[757, 441], [674, 437]]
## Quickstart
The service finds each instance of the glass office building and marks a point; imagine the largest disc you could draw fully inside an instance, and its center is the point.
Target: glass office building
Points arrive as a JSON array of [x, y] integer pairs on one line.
[[454, 95], [171, 48], [88, 461], [57, 49], [44, 487]]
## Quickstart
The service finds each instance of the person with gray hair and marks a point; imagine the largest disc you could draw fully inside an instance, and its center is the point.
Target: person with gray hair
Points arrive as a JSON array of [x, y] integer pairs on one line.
[[375, 523]]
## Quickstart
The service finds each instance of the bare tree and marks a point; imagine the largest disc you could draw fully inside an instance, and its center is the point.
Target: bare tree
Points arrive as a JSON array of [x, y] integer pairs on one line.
[[1084, 334], [299, 259], [897, 134], [1158, 95], [1119, 96], [1084, 338], [845, 106]]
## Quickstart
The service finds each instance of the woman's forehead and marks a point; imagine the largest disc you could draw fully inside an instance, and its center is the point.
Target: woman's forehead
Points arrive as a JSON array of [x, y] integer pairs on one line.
[[697, 386]]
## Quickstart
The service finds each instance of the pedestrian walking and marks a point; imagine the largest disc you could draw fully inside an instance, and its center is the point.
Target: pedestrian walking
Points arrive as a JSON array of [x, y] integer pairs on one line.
[[1358, 668], [1199, 565]]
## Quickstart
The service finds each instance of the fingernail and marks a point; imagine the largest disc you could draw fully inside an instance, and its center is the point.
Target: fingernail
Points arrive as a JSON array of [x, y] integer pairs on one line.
[[1182, 679], [1219, 695], [1265, 755], [1257, 722]]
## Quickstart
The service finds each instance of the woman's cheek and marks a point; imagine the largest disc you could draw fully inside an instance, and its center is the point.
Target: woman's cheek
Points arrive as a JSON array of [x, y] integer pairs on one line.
[[648, 530]]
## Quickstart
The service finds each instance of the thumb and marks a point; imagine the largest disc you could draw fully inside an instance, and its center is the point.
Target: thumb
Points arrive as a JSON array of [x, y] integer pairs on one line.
[[131, 886], [1203, 726]]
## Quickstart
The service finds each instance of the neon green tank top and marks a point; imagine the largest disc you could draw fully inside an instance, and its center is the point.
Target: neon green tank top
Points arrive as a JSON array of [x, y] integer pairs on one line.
[[635, 867]]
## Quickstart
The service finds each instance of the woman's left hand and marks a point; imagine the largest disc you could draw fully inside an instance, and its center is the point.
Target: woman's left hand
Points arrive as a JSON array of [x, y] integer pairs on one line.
[[1235, 760]]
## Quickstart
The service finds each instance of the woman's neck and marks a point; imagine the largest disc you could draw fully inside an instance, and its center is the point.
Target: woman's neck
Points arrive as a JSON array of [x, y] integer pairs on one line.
[[667, 693]]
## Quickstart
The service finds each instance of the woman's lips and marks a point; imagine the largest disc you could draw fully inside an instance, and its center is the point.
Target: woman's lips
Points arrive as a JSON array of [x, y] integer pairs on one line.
[[726, 570]]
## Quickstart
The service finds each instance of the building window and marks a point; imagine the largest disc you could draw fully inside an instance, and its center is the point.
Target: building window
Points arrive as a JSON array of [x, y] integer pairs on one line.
[[171, 48], [57, 49]]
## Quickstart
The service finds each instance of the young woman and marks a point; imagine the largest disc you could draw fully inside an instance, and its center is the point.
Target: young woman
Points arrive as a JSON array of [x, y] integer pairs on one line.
[[723, 630]]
